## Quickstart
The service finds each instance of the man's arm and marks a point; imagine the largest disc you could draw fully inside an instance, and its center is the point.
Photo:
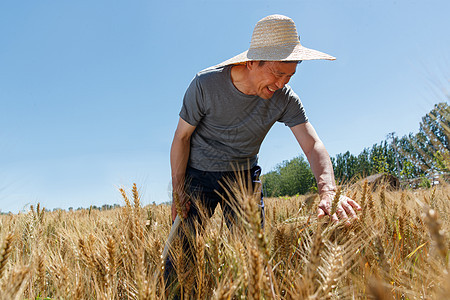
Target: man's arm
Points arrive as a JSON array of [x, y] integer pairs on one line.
[[179, 156], [322, 169]]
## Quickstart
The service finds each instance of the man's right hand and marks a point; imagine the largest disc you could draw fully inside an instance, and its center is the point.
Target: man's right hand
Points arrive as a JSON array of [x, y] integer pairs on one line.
[[179, 156], [185, 205]]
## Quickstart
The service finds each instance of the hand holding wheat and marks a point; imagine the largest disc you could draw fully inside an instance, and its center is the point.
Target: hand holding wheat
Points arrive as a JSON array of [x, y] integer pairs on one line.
[[180, 205], [338, 207]]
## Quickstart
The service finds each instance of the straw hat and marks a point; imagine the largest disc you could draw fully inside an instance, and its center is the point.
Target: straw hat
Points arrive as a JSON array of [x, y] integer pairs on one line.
[[275, 38]]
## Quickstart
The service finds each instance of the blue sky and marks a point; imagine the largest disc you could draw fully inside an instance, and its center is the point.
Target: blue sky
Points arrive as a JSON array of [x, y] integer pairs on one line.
[[90, 91]]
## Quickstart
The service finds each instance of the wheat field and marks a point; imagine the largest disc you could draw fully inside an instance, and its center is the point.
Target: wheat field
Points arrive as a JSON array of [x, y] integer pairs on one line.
[[398, 249]]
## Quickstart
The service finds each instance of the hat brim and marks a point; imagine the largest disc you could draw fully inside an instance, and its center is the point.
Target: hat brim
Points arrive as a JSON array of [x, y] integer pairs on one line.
[[278, 53]]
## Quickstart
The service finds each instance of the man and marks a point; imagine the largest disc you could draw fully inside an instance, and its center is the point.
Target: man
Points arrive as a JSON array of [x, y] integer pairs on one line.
[[228, 110]]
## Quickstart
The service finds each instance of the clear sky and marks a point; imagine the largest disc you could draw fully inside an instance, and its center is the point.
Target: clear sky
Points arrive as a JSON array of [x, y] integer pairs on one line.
[[90, 90]]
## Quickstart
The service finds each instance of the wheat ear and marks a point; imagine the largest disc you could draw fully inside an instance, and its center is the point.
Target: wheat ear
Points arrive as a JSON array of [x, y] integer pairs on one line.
[[5, 252], [434, 226], [335, 202], [256, 273]]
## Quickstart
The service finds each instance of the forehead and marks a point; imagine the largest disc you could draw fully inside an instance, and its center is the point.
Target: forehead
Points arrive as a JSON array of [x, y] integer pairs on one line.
[[283, 68]]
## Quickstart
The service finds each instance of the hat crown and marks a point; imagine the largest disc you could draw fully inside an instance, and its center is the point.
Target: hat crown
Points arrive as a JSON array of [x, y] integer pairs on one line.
[[275, 38], [274, 30]]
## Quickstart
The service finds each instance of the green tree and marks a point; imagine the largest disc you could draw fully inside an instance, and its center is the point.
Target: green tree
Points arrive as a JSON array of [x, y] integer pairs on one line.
[[345, 166], [408, 157], [289, 178], [428, 150], [382, 158]]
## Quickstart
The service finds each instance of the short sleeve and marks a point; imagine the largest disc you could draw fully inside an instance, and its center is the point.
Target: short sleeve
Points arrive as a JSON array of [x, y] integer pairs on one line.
[[294, 112], [193, 109]]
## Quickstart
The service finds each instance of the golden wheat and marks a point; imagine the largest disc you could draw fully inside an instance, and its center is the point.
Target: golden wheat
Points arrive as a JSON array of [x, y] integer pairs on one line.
[[398, 249]]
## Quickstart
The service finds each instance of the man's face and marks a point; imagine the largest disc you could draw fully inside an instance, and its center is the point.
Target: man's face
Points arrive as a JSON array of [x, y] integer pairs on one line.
[[269, 77]]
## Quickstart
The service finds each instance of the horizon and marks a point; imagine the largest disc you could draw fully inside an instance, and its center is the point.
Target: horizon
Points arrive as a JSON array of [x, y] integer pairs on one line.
[[91, 91]]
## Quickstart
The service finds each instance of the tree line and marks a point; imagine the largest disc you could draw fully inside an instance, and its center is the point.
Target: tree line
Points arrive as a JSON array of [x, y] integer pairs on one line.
[[424, 155]]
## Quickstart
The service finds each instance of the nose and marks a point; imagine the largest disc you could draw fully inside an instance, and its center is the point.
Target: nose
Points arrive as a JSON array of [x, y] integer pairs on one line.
[[279, 84], [282, 82]]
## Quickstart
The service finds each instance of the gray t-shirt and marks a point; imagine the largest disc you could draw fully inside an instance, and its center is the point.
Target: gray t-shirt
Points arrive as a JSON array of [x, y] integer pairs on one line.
[[230, 125]]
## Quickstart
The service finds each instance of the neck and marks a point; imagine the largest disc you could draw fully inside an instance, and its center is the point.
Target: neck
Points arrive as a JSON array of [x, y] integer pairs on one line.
[[240, 79]]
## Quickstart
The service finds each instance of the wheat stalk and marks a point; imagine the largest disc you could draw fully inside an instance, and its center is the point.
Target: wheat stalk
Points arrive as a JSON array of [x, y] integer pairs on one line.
[[256, 273], [5, 252], [335, 202], [435, 225], [93, 255]]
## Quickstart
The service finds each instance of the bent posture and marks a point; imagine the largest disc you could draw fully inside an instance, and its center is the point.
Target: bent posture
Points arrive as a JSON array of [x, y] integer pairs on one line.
[[228, 110]]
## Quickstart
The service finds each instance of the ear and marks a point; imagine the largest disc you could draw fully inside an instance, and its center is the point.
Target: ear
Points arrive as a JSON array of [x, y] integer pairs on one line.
[[251, 64]]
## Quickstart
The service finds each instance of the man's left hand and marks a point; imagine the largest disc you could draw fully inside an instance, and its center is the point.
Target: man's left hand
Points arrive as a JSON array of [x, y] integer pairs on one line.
[[345, 210]]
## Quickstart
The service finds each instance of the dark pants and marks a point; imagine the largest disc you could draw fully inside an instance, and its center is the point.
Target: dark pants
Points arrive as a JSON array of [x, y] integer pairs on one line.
[[205, 190]]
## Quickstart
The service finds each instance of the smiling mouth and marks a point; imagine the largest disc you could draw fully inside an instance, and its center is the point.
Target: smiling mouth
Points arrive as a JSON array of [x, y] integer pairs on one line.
[[271, 89]]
